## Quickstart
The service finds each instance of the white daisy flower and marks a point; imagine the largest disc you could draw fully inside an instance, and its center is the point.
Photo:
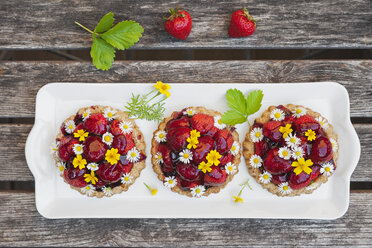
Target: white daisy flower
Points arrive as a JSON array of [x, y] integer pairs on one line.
[[255, 161], [109, 114], [159, 158], [285, 152], [284, 188], [297, 153], [126, 179], [292, 140], [218, 123], [107, 138], [126, 127], [133, 155], [61, 167], [197, 191], [265, 177], [277, 115], [54, 147], [189, 112], [299, 112], [334, 144], [92, 166], [235, 148], [230, 168], [327, 169], [256, 134], [78, 149], [185, 156], [107, 191], [322, 121], [86, 114], [170, 182], [88, 190], [161, 136], [70, 126], [312, 186]]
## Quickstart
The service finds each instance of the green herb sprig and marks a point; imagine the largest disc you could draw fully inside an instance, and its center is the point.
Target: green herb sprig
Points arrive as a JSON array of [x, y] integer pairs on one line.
[[241, 107], [107, 37]]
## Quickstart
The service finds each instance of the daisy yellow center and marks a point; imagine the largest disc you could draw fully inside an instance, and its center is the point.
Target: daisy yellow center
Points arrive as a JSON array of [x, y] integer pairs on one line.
[[265, 177], [255, 160], [298, 111], [170, 181], [258, 134], [333, 145], [298, 153], [321, 123], [93, 166], [125, 126], [185, 155], [70, 126], [159, 157], [219, 121], [133, 154], [78, 148], [85, 114], [285, 153], [189, 112], [88, 187], [107, 138], [109, 114], [285, 188], [230, 168], [61, 168], [233, 148], [293, 140], [327, 169], [277, 115], [126, 178], [197, 191], [161, 135]]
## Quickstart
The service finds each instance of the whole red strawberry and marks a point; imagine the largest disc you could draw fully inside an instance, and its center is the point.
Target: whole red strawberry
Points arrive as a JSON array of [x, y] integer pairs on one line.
[[242, 24], [178, 24]]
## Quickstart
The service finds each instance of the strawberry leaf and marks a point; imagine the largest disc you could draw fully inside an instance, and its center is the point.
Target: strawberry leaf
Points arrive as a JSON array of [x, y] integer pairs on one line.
[[105, 23], [236, 100], [253, 101], [102, 53], [233, 117], [123, 35]]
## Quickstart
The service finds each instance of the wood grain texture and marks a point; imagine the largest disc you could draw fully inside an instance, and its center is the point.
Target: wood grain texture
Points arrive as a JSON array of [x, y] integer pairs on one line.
[[49, 24], [20, 81], [21, 225], [14, 136]]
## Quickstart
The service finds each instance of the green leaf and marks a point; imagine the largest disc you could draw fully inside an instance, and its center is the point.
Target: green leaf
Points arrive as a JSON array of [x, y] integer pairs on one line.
[[102, 53], [253, 102], [233, 117], [105, 23], [236, 100], [123, 35]]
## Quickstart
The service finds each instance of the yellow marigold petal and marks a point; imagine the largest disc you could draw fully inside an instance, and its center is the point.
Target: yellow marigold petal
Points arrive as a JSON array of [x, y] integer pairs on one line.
[[297, 170], [307, 170]]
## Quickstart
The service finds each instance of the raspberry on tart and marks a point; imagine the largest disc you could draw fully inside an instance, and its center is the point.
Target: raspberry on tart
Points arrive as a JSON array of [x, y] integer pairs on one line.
[[290, 150], [92, 151], [194, 153]]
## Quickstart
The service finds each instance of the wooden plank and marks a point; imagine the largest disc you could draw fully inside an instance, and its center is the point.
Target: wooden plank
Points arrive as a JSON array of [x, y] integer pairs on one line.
[[21, 225], [14, 136], [50, 24], [20, 81]]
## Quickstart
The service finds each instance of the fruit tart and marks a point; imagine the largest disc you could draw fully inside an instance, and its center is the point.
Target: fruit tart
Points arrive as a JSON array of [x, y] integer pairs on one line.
[[290, 150], [99, 151], [194, 153]]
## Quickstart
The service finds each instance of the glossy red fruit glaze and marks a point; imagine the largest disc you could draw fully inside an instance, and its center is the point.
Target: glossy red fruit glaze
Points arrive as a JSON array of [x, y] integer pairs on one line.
[[176, 115], [120, 142], [166, 155], [78, 127], [181, 122], [226, 158], [261, 148], [65, 150], [271, 130], [216, 177], [75, 177], [305, 145], [184, 184], [321, 151], [110, 173], [100, 183], [212, 132], [125, 164], [189, 172], [130, 142], [202, 122], [275, 164], [96, 124], [177, 137], [78, 119], [288, 119], [114, 127], [306, 122], [284, 109], [224, 141], [179, 24], [315, 171], [206, 144], [141, 157], [278, 179], [94, 149], [299, 181]]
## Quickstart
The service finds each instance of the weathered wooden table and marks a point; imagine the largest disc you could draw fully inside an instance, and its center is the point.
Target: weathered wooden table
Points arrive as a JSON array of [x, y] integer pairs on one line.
[[292, 24]]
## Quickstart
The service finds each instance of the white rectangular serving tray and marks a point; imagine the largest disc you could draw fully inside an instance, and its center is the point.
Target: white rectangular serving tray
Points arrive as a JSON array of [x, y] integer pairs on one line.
[[55, 199]]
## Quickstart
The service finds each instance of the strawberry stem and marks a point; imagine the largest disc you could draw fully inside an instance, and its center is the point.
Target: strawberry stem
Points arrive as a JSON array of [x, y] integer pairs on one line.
[[87, 29]]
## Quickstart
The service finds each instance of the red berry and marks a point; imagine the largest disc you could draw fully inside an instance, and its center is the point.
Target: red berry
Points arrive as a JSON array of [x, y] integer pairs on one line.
[[306, 122], [120, 142], [174, 123], [224, 141], [305, 145], [96, 124], [177, 138], [275, 164], [315, 172], [226, 158], [286, 111], [65, 150], [202, 122], [278, 179], [78, 127], [94, 149], [271, 130], [100, 183], [125, 164], [110, 173], [130, 143], [206, 144], [184, 184], [178, 24], [215, 177], [299, 181], [241, 24], [166, 156], [288, 119], [75, 177], [261, 148], [321, 151], [114, 127], [189, 172], [212, 132]]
